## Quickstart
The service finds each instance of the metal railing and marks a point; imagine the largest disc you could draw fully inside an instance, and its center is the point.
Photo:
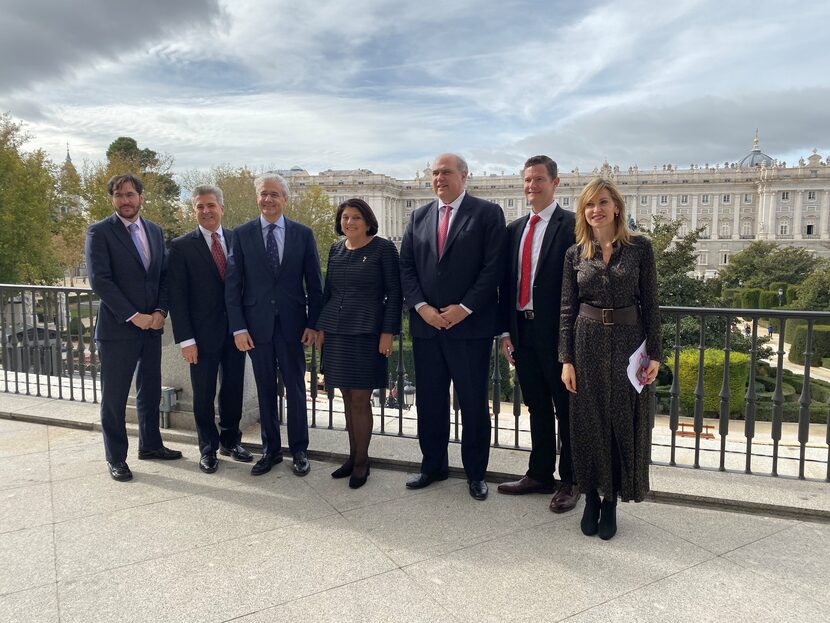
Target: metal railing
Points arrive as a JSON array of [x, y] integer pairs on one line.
[[48, 350]]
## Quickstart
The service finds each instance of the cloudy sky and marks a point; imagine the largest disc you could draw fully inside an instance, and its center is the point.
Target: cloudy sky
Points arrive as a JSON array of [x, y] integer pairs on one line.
[[387, 85]]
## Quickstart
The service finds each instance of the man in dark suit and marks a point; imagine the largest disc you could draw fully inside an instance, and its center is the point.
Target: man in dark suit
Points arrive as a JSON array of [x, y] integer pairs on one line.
[[126, 261], [450, 271], [273, 293], [529, 303], [196, 284]]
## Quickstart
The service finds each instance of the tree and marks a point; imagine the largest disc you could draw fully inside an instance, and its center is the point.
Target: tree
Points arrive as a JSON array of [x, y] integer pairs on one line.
[[313, 208], [814, 292], [27, 202], [237, 187], [762, 263], [68, 242], [162, 204]]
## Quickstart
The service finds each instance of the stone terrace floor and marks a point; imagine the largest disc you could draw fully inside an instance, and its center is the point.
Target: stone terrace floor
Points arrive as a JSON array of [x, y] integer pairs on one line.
[[178, 545]]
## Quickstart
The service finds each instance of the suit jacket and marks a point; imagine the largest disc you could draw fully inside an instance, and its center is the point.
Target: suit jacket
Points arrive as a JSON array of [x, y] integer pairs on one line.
[[547, 282], [254, 293], [197, 292], [468, 272], [117, 275]]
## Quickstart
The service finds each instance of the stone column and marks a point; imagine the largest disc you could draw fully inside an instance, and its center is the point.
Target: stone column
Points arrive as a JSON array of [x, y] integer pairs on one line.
[[824, 215], [714, 228], [798, 227], [736, 215]]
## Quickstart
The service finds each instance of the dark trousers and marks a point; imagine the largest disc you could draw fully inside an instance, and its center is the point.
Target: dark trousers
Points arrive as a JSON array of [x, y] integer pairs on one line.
[[540, 377], [229, 365], [466, 362], [289, 359], [120, 360]]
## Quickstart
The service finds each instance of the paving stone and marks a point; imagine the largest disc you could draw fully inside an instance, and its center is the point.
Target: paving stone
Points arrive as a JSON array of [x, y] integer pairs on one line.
[[36, 605], [25, 507], [27, 559]]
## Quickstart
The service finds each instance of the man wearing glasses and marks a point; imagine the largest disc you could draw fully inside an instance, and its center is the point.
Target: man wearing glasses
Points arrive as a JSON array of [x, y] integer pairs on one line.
[[126, 261]]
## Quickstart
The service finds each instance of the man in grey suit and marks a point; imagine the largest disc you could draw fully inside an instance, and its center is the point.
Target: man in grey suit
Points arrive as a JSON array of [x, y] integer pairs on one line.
[[274, 294], [196, 278], [126, 261]]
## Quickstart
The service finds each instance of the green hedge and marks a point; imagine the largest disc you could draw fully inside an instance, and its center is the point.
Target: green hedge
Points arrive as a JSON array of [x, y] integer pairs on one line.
[[750, 298], [789, 413], [768, 300], [776, 285], [713, 378], [791, 294], [821, 344]]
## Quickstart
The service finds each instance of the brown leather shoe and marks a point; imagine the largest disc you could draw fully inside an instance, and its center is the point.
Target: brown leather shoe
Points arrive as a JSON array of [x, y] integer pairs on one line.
[[565, 498], [525, 485]]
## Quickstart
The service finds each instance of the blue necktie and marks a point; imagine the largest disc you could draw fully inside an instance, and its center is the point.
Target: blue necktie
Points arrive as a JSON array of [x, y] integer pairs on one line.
[[139, 247], [271, 249]]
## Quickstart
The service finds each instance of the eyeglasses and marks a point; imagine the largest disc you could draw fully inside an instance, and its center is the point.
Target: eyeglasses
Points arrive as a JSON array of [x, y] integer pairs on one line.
[[130, 195]]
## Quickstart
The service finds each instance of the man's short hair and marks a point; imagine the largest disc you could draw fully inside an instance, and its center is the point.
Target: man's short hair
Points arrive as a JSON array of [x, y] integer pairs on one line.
[[549, 163], [117, 181], [271, 177], [208, 189]]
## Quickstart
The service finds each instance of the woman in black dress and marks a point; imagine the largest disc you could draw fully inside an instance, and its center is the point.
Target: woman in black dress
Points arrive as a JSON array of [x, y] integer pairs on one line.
[[361, 313], [609, 306]]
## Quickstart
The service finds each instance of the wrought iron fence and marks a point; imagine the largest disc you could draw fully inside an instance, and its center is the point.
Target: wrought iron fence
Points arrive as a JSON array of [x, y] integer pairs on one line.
[[48, 350]]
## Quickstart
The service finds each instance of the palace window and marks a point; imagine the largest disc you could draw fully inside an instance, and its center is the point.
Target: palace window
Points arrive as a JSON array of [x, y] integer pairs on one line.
[[704, 199], [726, 199], [785, 195], [725, 230], [811, 195], [664, 199], [746, 228], [684, 199], [748, 198], [702, 258], [509, 203], [644, 200], [724, 258], [810, 230], [566, 201], [409, 203], [784, 228]]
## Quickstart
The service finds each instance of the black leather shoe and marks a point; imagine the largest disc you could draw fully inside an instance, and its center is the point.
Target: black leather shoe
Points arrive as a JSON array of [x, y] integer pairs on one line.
[[526, 485], [419, 481], [565, 498], [264, 464], [344, 470], [237, 453], [208, 463], [165, 454], [478, 489], [120, 471], [301, 464], [355, 482]]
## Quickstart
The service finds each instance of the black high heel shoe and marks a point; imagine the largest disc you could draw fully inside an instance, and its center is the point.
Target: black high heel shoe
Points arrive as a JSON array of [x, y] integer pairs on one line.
[[590, 517], [355, 482], [344, 470]]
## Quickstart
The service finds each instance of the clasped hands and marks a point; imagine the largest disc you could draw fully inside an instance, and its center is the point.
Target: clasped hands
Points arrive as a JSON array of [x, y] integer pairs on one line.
[[244, 342], [148, 321], [445, 318]]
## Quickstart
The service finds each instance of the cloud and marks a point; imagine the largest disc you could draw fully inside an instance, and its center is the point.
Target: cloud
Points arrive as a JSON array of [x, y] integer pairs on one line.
[[50, 41]]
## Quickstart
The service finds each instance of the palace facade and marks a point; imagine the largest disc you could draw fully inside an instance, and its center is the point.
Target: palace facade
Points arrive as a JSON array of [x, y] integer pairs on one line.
[[755, 198]]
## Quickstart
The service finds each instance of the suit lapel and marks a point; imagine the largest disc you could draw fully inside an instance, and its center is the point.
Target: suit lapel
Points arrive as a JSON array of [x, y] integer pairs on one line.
[[156, 246], [516, 246], [550, 236], [458, 223], [123, 236], [432, 229], [201, 250]]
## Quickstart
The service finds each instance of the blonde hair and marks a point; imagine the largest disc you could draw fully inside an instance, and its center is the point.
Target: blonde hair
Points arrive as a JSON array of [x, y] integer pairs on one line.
[[584, 232]]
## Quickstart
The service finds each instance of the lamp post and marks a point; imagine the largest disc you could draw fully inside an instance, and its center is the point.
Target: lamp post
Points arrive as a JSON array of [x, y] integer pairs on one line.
[[780, 297]]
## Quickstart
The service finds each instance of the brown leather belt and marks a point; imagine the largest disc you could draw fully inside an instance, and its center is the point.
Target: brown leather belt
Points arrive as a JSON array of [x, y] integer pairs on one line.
[[609, 317], [527, 314]]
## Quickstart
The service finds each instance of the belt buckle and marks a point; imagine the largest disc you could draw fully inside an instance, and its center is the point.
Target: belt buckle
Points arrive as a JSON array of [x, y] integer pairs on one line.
[[608, 317], [529, 315]]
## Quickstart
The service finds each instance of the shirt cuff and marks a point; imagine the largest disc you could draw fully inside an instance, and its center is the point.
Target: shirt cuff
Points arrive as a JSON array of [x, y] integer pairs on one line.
[[186, 343], [419, 305], [465, 308], [131, 317], [241, 331]]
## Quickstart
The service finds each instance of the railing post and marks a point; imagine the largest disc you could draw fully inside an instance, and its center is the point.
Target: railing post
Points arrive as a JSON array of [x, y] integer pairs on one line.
[[400, 387], [517, 407], [496, 391], [699, 390], [674, 404], [778, 398], [751, 396], [804, 402], [725, 396]]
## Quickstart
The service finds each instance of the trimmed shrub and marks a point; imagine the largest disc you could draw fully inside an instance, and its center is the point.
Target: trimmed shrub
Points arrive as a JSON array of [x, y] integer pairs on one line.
[[750, 298], [776, 285], [713, 360], [825, 363], [768, 300], [790, 411], [728, 295], [821, 344], [791, 294]]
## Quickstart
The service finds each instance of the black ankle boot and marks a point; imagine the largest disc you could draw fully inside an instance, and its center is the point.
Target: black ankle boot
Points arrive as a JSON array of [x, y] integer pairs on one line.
[[590, 517], [608, 519], [344, 470]]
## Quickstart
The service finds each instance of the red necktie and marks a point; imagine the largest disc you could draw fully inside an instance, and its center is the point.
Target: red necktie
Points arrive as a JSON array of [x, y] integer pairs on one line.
[[527, 248], [218, 255], [443, 228]]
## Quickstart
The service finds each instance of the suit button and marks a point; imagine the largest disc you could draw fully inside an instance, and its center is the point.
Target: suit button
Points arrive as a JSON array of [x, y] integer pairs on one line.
[[273, 303]]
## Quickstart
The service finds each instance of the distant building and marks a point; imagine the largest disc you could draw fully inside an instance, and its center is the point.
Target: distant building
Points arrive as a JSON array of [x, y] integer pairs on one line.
[[756, 198]]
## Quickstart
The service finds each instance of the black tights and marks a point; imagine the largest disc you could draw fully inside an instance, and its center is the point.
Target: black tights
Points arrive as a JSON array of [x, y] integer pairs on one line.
[[358, 407]]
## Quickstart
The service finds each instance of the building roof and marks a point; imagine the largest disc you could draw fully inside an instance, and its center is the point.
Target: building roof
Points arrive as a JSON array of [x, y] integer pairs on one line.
[[755, 158]]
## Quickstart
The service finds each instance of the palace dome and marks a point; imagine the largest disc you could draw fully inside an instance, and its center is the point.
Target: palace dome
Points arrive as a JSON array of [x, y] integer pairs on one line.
[[755, 158]]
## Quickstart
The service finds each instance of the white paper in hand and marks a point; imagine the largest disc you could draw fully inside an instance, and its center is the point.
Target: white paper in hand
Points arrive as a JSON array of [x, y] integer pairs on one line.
[[637, 367]]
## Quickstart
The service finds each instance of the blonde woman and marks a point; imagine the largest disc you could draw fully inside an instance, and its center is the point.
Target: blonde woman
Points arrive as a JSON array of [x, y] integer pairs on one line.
[[609, 306]]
